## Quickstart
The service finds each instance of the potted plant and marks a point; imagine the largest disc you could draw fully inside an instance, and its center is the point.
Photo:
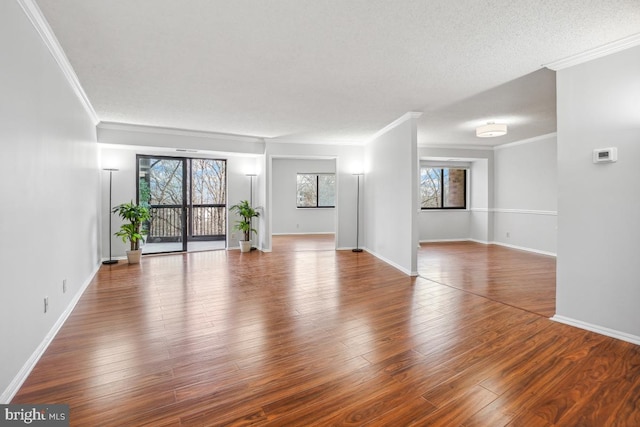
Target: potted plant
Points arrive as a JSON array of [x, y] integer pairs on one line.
[[131, 231], [247, 213]]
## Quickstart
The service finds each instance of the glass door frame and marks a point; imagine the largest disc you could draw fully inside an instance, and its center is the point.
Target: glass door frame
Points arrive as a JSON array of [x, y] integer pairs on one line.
[[183, 207]]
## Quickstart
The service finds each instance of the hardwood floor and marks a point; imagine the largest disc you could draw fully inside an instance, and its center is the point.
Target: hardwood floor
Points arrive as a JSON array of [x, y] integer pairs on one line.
[[318, 338], [518, 278]]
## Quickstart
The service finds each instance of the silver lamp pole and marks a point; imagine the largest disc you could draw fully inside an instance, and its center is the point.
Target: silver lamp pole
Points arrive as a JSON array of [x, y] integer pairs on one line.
[[110, 260], [357, 249], [251, 175]]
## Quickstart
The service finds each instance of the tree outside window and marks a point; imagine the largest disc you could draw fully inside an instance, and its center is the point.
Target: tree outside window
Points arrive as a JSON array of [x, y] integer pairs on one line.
[[316, 190], [443, 188]]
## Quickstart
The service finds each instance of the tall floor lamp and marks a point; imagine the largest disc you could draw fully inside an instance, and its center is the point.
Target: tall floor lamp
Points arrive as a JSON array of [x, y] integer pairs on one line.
[[251, 175], [358, 249], [110, 260]]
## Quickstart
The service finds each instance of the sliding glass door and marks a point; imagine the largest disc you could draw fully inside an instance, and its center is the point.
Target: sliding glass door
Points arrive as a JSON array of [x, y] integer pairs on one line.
[[162, 187], [187, 201], [207, 206]]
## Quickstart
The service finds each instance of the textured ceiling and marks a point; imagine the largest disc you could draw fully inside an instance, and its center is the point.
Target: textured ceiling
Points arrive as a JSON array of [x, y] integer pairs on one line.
[[331, 70]]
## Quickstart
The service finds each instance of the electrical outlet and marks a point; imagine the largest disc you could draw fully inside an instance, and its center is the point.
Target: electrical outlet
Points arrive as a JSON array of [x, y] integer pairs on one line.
[[508, 234], [46, 304], [233, 236], [64, 286]]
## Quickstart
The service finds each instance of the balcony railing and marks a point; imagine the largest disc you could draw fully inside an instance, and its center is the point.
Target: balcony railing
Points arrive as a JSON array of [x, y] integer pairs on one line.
[[205, 222]]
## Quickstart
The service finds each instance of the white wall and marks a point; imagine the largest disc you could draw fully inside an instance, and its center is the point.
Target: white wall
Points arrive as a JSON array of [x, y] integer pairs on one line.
[[390, 195], [481, 195], [348, 159], [49, 223], [123, 157], [444, 225], [526, 194], [598, 280], [287, 218]]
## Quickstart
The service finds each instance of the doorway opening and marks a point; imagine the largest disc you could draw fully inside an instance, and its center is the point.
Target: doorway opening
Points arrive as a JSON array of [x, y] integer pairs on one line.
[[187, 198], [304, 203]]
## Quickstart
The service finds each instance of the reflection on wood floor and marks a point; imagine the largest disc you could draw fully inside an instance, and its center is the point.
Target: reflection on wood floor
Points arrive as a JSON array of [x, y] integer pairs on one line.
[[320, 338], [522, 279], [303, 242]]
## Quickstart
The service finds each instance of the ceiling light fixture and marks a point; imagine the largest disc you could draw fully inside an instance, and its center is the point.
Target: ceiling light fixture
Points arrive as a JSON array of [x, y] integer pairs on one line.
[[491, 130]]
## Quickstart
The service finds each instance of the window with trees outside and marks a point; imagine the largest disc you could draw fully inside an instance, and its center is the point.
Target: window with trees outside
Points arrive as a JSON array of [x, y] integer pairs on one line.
[[443, 188], [316, 190]]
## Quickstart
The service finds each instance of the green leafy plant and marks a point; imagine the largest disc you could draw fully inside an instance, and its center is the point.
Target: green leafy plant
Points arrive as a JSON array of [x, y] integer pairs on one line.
[[246, 212], [136, 215]]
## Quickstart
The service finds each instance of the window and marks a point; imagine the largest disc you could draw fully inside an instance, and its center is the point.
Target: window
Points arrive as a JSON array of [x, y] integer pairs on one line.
[[443, 188], [316, 190]]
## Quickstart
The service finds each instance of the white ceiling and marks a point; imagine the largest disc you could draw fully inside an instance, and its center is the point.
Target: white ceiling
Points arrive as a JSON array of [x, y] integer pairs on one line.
[[331, 70]]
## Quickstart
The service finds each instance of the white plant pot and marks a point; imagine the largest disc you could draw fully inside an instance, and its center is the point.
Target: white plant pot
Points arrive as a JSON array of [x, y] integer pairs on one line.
[[245, 246], [134, 256]]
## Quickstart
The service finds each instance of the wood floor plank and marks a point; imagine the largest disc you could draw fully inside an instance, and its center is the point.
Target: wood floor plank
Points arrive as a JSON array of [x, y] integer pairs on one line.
[[603, 373], [406, 413], [309, 336], [455, 412], [532, 382], [624, 412]]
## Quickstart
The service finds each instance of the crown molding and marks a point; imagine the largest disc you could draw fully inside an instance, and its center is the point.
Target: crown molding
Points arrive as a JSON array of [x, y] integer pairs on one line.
[[341, 143], [130, 127], [34, 14], [407, 116], [458, 147], [526, 141], [490, 147], [598, 52]]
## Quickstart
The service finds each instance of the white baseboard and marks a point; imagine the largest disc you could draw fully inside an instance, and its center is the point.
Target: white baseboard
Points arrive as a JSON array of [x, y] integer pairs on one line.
[[522, 248], [23, 374], [634, 339], [237, 248], [351, 248], [443, 240], [393, 264], [484, 242], [303, 233], [119, 258]]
